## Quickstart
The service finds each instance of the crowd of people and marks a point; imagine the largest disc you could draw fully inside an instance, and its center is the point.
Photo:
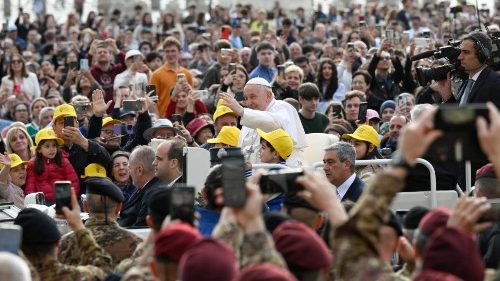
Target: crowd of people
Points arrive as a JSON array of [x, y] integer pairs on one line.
[[109, 103]]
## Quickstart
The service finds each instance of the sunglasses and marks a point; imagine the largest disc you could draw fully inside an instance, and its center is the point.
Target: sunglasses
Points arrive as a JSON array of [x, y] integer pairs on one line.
[[16, 61]]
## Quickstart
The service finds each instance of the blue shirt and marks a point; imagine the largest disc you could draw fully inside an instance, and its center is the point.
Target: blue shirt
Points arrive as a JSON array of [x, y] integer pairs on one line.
[[267, 73], [208, 220], [236, 41]]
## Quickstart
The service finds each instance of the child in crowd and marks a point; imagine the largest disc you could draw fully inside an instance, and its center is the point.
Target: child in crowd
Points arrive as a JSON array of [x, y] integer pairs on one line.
[[49, 166]]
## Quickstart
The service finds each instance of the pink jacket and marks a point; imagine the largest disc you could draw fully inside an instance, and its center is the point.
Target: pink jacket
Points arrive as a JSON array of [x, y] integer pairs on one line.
[[51, 173]]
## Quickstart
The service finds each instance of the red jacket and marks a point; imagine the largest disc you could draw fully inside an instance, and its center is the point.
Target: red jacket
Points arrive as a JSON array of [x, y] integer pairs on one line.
[[51, 173]]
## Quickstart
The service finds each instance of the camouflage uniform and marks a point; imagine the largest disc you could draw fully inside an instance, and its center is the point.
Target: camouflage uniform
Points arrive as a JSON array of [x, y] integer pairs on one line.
[[33, 272], [249, 248], [95, 262], [115, 240], [356, 241], [138, 267]]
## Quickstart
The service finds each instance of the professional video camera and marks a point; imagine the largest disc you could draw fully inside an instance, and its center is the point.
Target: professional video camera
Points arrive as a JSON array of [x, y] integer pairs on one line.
[[450, 53], [495, 51]]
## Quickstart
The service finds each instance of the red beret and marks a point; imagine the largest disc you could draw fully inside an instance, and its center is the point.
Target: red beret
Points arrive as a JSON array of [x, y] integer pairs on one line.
[[264, 272], [434, 220], [486, 171], [208, 260], [452, 251], [295, 241], [173, 241], [432, 275]]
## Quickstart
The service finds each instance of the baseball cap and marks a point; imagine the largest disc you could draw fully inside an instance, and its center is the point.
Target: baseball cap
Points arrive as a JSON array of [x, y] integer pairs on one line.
[[47, 134], [94, 170], [64, 110], [222, 110], [228, 135], [110, 121], [364, 133], [372, 114], [15, 161], [280, 141], [132, 53]]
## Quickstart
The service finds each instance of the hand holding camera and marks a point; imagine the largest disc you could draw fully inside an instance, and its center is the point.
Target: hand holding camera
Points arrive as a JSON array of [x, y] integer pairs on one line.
[[72, 214]]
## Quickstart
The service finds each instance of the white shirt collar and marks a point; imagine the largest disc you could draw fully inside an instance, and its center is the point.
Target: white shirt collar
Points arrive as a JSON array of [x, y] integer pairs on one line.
[[174, 181], [477, 74], [344, 187]]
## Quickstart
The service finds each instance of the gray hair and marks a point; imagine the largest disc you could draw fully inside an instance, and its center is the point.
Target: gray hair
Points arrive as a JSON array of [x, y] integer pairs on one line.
[[13, 268], [144, 156], [418, 109], [345, 152], [44, 111]]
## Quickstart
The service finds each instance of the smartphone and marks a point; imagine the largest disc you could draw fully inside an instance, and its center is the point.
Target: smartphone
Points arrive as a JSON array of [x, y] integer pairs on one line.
[[151, 90], [421, 42], [84, 64], [389, 34], [459, 141], [103, 44], [402, 100], [129, 129], [4, 27], [233, 181], [182, 203], [426, 34], [62, 190], [131, 105], [281, 70], [362, 23], [278, 181], [232, 67], [117, 129], [350, 47], [265, 27], [363, 107], [335, 42], [337, 110], [225, 33], [492, 214], [180, 77], [11, 238], [69, 121], [81, 108], [201, 94], [176, 118], [73, 65]]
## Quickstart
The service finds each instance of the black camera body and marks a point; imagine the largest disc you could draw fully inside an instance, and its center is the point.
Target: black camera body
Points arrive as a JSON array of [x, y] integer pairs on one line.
[[450, 53], [277, 181]]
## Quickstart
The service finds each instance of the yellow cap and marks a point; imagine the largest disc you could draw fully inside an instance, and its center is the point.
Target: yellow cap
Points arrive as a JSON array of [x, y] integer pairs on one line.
[[94, 170], [110, 121], [15, 161], [64, 110], [222, 110], [228, 135], [364, 133], [47, 134], [280, 140]]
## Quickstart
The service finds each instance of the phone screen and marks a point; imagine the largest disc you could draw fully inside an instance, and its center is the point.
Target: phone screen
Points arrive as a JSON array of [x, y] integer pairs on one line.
[[335, 42], [176, 118], [233, 181], [63, 195], [84, 64], [131, 105], [69, 121], [182, 203], [363, 107], [73, 65], [117, 129], [151, 90], [11, 238]]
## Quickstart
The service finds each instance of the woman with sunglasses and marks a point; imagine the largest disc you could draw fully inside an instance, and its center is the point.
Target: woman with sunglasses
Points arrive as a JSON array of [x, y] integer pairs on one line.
[[19, 82]]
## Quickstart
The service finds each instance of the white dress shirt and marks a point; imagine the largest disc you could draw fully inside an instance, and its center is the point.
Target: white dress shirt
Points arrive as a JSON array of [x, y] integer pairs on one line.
[[344, 187]]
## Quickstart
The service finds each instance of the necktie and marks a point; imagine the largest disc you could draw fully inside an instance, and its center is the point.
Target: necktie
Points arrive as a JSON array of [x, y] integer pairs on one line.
[[468, 88]]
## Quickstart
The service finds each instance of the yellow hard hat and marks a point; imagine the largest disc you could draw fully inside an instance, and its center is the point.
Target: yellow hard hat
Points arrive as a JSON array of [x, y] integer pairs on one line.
[[280, 140], [364, 133], [47, 134], [222, 110], [94, 170], [64, 110], [110, 121], [15, 161], [228, 135]]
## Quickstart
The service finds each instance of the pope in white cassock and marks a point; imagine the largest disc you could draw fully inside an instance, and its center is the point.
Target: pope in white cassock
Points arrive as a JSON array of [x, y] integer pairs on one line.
[[268, 114]]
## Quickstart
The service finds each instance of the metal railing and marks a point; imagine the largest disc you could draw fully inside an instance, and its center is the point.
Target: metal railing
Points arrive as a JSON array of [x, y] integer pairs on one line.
[[424, 162]]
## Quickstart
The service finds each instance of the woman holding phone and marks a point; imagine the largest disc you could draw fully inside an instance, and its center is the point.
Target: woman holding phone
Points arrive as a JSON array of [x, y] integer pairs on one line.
[[234, 81], [185, 102]]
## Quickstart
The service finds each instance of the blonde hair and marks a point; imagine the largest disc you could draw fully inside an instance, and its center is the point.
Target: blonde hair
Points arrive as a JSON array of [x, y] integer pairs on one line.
[[294, 68], [10, 135]]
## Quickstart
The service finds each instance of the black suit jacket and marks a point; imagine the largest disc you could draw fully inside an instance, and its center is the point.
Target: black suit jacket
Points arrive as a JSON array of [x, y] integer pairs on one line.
[[354, 191], [136, 209], [486, 88]]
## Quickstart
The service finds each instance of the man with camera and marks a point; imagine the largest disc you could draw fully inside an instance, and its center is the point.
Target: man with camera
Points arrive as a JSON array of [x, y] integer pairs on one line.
[[483, 83]]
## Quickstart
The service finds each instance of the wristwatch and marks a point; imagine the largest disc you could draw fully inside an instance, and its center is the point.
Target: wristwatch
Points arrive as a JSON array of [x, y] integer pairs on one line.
[[399, 161]]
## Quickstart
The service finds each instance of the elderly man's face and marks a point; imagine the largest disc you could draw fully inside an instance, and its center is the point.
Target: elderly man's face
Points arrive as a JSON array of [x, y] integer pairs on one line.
[[257, 97]]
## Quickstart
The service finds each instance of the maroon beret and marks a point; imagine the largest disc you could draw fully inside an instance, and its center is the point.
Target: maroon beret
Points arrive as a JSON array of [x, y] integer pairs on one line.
[[264, 272], [486, 171], [208, 260], [434, 220], [452, 251], [432, 275], [173, 241], [296, 242]]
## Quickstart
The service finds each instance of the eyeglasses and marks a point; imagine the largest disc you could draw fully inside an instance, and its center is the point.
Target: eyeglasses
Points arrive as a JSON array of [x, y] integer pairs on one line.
[[16, 61], [22, 110], [386, 57]]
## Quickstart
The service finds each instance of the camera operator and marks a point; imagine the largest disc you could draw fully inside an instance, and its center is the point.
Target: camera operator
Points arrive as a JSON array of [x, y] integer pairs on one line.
[[483, 84]]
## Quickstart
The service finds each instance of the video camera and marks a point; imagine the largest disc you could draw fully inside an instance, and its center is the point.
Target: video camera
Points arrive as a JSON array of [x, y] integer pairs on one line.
[[450, 53]]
